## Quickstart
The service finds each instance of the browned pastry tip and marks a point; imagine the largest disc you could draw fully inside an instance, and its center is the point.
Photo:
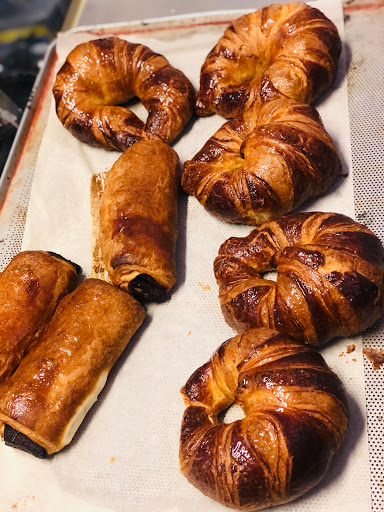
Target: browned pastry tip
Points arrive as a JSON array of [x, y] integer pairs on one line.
[[296, 418], [263, 164], [284, 50], [48, 396], [30, 288], [138, 220], [330, 277], [100, 75]]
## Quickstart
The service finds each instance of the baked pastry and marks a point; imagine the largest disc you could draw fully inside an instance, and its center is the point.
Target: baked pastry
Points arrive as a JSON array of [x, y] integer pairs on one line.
[[30, 288], [295, 420], [330, 277], [102, 74], [284, 50], [44, 402], [138, 220], [264, 163]]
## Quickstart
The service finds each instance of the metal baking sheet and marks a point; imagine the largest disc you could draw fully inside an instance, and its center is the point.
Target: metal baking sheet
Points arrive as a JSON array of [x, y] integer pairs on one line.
[[18, 175]]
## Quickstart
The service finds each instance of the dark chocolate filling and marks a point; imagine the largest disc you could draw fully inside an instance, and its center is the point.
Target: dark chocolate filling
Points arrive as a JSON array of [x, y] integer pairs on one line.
[[59, 257], [18, 440], [144, 288]]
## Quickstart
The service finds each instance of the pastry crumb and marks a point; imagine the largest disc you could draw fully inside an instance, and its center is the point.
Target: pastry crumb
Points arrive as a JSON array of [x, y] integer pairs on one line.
[[374, 355], [351, 348], [112, 460], [354, 360], [204, 287], [342, 354], [189, 333]]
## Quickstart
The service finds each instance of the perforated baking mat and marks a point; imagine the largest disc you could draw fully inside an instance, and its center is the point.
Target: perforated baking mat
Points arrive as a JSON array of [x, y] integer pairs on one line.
[[121, 459]]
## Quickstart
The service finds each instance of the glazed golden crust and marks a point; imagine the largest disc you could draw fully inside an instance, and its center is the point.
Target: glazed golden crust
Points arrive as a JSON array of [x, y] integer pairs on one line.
[[330, 277], [295, 420], [286, 50], [264, 163], [101, 74], [138, 220], [30, 288], [47, 397]]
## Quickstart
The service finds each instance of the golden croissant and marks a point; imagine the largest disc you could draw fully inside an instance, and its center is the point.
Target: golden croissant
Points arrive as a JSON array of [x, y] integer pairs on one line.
[[264, 163], [102, 74], [295, 420], [330, 277], [284, 50]]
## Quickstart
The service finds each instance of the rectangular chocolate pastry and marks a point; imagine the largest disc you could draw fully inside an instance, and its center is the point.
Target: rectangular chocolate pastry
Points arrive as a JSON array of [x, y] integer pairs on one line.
[[48, 396], [30, 288], [138, 220]]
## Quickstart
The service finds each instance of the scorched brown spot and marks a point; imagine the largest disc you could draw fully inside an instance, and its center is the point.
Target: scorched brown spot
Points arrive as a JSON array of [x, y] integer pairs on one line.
[[375, 356]]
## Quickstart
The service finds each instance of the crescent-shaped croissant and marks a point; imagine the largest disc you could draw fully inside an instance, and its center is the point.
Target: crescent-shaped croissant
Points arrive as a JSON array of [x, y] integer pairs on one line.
[[330, 277], [264, 163], [284, 50], [295, 420], [102, 74]]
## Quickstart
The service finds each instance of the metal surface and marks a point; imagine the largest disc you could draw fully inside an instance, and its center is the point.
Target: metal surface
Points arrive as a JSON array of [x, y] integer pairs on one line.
[[364, 24], [16, 179]]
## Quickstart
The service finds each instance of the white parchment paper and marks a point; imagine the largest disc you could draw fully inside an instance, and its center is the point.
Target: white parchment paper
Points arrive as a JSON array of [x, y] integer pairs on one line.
[[125, 455]]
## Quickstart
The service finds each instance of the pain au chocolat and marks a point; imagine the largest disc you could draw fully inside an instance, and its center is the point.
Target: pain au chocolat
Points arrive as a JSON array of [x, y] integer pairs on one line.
[[330, 277], [284, 50], [30, 288], [138, 220], [295, 420], [45, 400], [100, 75], [263, 164]]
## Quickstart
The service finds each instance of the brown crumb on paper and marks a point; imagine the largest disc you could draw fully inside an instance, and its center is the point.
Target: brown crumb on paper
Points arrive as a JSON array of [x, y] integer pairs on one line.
[[14, 506], [351, 348], [204, 287], [112, 460], [189, 333], [375, 356], [342, 354]]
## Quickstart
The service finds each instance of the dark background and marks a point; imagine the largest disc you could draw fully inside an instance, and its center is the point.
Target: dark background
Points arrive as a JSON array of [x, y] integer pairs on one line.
[[26, 29]]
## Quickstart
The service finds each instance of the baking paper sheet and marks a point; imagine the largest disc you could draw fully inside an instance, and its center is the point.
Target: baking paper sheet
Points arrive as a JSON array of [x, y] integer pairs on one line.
[[125, 455]]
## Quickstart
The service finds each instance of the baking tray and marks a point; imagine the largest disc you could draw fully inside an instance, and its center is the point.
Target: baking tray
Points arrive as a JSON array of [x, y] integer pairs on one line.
[[17, 178]]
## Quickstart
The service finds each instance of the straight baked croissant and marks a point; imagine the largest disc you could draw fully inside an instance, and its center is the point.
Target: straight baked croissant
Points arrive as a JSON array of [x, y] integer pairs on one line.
[[284, 50], [330, 277], [264, 163], [102, 74], [295, 421]]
